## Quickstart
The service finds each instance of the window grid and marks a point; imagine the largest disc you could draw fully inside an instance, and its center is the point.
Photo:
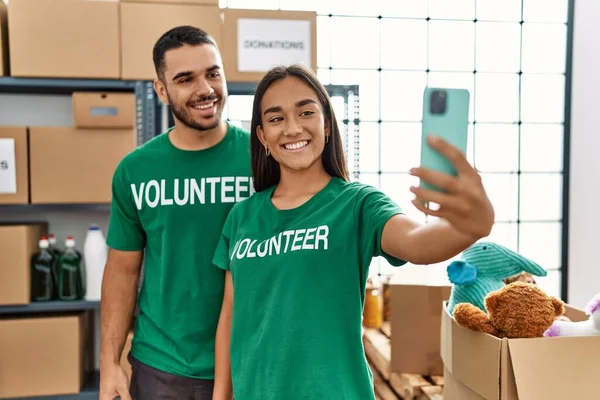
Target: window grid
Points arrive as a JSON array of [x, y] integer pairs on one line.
[[520, 115]]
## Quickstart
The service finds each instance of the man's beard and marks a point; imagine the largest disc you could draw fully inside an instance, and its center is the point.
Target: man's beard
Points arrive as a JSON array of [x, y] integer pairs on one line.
[[183, 115]]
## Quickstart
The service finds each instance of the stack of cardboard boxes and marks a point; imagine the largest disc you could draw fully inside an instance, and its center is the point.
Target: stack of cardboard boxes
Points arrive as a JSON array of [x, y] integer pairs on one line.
[[113, 39], [40, 354]]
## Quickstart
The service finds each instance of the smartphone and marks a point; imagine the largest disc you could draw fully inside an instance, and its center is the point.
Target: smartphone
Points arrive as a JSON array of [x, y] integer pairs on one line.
[[445, 114]]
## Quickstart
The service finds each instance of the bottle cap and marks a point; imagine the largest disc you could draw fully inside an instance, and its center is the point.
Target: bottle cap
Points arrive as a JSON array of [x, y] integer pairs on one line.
[[43, 242], [70, 242], [51, 238], [94, 227]]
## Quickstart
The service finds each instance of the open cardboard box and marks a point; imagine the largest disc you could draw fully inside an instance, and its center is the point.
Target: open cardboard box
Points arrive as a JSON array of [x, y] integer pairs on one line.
[[480, 366]]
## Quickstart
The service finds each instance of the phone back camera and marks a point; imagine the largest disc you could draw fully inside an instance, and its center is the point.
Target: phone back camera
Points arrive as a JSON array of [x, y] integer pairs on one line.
[[437, 105]]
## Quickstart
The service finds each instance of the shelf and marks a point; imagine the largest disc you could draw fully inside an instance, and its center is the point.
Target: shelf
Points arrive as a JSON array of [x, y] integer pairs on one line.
[[15, 208], [61, 86], [89, 391], [50, 307]]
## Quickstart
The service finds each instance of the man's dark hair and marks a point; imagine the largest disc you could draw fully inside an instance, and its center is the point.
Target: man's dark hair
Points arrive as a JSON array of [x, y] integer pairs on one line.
[[176, 38]]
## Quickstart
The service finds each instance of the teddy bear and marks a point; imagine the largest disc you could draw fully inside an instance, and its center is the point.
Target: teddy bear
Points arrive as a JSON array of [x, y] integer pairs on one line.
[[517, 310]]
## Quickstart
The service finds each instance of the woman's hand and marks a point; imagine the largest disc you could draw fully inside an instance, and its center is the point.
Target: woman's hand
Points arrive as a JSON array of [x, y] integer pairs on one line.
[[464, 202]]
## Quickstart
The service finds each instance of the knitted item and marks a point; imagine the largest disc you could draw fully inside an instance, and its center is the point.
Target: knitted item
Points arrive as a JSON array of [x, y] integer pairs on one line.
[[482, 270]]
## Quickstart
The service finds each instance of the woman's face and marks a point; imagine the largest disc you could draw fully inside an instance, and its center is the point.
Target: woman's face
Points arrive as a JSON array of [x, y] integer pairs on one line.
[[293, 124]]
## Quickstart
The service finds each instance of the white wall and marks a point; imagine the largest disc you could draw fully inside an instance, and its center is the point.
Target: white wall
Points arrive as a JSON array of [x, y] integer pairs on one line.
[[584, 220]]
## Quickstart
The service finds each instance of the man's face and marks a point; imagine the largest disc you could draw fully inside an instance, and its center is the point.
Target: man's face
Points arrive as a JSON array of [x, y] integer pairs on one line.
[[193, 84]]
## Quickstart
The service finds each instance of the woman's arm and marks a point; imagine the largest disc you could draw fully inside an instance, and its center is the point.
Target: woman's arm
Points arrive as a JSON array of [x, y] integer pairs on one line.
[[423, 244], [465, 213], [223, 388]]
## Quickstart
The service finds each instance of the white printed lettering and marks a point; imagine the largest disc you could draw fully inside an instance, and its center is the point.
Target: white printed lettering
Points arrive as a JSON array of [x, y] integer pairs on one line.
[[264, 251], [239, 188], [309, 236], [152, 203], [234, 250], [251, 254], [225, 188], [241, 254], [275, 243], [297, 235], [198, 192], [138, 195], [163, 200], [186, 192], [212, 182], [294, 240], [322, 233], [287, 235]]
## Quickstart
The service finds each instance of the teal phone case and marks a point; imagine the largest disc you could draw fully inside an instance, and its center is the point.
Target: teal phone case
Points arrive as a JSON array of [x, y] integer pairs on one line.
[[450, 123]]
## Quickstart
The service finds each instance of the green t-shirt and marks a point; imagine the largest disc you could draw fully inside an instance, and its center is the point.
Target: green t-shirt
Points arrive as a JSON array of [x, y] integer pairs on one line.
[[299, 280], [173, 203]]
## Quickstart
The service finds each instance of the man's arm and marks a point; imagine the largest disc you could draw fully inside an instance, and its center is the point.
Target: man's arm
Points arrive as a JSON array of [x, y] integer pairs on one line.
[[223, 388], [119, 296]]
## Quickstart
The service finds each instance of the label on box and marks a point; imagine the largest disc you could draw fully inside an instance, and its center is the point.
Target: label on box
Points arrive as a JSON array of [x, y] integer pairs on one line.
[[264, 43], [8, 170]]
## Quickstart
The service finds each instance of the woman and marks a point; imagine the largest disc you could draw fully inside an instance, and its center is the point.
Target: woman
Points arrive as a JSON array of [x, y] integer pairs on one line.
[[299, 249]]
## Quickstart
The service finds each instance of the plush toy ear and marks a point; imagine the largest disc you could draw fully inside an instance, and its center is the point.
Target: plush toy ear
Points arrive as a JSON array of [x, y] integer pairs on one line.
[[461, 273]]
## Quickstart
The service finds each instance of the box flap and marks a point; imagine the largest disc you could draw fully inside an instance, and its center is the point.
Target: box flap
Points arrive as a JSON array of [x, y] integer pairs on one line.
[[471, 357], [572, 361]]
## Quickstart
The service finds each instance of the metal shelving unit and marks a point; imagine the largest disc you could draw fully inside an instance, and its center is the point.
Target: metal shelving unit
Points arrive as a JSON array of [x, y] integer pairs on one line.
[[57, 306], [147, 104]]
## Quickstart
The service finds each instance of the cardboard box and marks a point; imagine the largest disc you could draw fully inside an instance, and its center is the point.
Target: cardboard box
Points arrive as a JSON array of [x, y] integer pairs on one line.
[[103, 110], [64, 38], [14, 160], [479, 366], [415, 323], [256, 40], [143, 24], [43, 356], [3, 39], [205, 2], [72, 165], [18, 242]]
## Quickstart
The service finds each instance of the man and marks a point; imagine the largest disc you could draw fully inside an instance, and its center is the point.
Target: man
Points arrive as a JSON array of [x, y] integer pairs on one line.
[[170, 199]]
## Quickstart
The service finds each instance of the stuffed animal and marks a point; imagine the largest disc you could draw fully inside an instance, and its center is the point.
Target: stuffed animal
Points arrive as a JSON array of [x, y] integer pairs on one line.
[[589, 327], [522, 277], [517, 310], [482, 270]]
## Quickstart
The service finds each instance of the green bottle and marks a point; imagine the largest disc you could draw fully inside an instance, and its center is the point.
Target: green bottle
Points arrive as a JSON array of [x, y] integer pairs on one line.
[[56, 252], [69, 272], [42, 282]]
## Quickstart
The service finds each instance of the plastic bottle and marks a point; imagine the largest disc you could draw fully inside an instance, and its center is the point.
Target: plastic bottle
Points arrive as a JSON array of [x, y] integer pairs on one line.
[[42, 282], [95, 254], [373, 308], [56, 252], [69, 273]]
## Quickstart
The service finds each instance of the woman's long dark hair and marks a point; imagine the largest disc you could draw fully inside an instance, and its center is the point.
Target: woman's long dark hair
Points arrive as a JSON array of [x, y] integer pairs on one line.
[[265, 170]]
